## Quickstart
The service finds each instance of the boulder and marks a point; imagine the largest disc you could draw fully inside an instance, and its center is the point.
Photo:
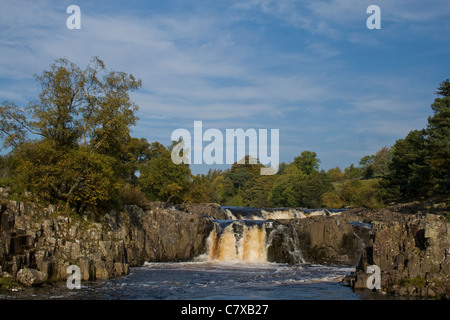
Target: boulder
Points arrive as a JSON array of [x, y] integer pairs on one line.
[[31, 277]]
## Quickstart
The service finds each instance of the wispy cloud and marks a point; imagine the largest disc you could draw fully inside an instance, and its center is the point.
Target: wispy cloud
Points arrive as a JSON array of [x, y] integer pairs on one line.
[[309, 68]]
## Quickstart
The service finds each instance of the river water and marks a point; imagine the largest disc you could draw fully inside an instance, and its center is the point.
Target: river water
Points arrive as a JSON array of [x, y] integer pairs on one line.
[[211, 281]]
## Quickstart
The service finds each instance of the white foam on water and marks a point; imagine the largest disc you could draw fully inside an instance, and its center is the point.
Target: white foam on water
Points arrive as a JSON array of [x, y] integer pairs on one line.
[[248, 245]]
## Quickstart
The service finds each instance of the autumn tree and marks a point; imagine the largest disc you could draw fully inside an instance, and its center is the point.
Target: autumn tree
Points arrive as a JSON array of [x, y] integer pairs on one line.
[[335, 174], [73, 143], [13, 125], [203, 187], [332, 200]]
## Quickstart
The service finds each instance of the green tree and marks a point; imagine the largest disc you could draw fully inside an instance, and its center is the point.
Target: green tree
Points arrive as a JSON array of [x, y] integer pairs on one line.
[[420, 163], [203, 188], [375, 165], [284, 189], [91, 105], [438, 140], [76, 176], [367, 166], [409, 173], [200, 190], [335, 174], [381, 161], [352, 172], [240, 183], [162, 180], [81, 125], [132, 154], [300, 184], [332, 200], [240, 176], [223, 189], [237, 199], [307, 162], [350, 192], [311, 188], [243, 171], [4, 170], [256, 195]]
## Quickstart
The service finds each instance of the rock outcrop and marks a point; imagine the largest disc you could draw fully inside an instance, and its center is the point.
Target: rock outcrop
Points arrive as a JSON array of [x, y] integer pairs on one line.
[[409, 243], [162, 235], [44, 240], [212, 210], [31, 277], [411, 248], [36, 241], [338, 239]]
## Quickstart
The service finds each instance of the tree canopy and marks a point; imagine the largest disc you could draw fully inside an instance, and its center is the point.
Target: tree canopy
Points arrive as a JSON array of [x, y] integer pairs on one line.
[[73, 145], [420, 162]]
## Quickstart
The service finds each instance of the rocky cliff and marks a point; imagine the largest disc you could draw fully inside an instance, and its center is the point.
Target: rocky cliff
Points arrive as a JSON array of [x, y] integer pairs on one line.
[[41, 244], [411, 246], [338, 239], [38, 244], [409, 243]]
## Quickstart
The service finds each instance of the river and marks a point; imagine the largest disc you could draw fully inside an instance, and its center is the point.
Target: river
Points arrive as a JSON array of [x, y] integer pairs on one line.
[[211, 281]]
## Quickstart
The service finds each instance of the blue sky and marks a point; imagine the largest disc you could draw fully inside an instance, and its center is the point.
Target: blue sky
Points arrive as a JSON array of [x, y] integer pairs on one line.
[[311, 69]]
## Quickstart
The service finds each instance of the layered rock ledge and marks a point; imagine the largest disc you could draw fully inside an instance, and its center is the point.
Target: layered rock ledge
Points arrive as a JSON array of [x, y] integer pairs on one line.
[[36, 241], [409, 243]]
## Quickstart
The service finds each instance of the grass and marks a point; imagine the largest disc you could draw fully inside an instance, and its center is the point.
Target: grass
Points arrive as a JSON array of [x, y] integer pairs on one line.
[[7, 282], [417, 282]]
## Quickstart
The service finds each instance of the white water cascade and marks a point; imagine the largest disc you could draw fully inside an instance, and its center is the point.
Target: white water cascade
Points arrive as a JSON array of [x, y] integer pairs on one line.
[[253, 235], [248, 213], [252, 242], [238, 241]]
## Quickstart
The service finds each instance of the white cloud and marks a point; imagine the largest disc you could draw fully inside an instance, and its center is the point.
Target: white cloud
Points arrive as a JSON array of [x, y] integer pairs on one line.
[[334, 18], [227, 70]]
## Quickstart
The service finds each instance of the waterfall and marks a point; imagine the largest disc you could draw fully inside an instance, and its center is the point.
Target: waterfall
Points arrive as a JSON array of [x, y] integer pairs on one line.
[[237, 241], [249, 213], [252, 241], [258, 235]]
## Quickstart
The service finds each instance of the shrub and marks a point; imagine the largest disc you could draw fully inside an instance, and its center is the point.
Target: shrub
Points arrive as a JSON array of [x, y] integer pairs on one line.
[[417, 282], [132, 195], [332, 200]]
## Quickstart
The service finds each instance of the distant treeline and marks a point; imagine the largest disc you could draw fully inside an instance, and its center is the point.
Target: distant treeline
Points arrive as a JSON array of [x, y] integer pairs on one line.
[[73, 146]]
